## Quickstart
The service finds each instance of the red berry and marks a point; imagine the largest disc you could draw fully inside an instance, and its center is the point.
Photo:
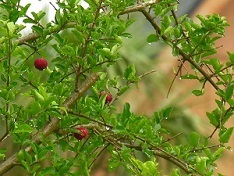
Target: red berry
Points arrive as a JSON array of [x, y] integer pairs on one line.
[[83, 133], [108, 96], [40, 63]]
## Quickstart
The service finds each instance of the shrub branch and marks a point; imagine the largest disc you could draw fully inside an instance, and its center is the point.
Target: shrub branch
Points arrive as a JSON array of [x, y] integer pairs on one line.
[[52, 125], [184, 55]]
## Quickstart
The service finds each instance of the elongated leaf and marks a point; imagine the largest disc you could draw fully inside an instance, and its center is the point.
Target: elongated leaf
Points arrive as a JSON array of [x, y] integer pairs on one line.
[[126, 111], [194, 139], [198, 92], [23, 128], [225, 136]]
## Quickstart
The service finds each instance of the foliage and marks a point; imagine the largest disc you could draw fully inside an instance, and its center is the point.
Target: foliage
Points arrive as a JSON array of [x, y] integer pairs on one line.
[[65, 96]]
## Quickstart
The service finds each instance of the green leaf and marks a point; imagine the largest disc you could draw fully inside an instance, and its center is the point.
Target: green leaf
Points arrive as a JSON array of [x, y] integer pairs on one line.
[[209, 53], [38, 30], [113, 164], [167, 112], [231, 57], [40, 15], [187, 26], [14, 15], [123, 90], [168, 30], [23, 128], [59, 19], [158, 10], [148, 152], [152, 38], [126, 111], [120, 130], [175, 172], [189, 76], [44, 151], [225, 136], [229, 92], [215, 63], [38, 96], [106, 52], [28, 20], [213, 120], [21, 155], [194, 139], [48, 171], [218, 152], [220, 174], [177, 32], [2, 153], [139, 124], [156, 127], [146, 168], [79, 35], [24, 9], [201, 165], [231, 102], [58, 38], [130, 72], [25, 165], [114, 49], [37, 16], [198, 92], [150, 168], [35, 168], [11, 27]]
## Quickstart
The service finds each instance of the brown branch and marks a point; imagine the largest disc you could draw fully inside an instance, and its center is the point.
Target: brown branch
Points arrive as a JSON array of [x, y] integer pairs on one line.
[[139, 7], [181, 52], [159, 152], [173, 137], [34, 36], [52, 125], [180, 165], [169, 157]]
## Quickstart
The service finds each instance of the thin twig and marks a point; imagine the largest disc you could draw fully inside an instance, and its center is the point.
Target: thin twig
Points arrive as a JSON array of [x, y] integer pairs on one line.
[[173, 137], [207, 147], [172, 82], [89, 118], [147, 73]]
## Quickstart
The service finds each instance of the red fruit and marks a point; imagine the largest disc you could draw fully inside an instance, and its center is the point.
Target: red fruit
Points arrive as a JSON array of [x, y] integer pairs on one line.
[[83, 133], [108, 96], [40, 63]]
